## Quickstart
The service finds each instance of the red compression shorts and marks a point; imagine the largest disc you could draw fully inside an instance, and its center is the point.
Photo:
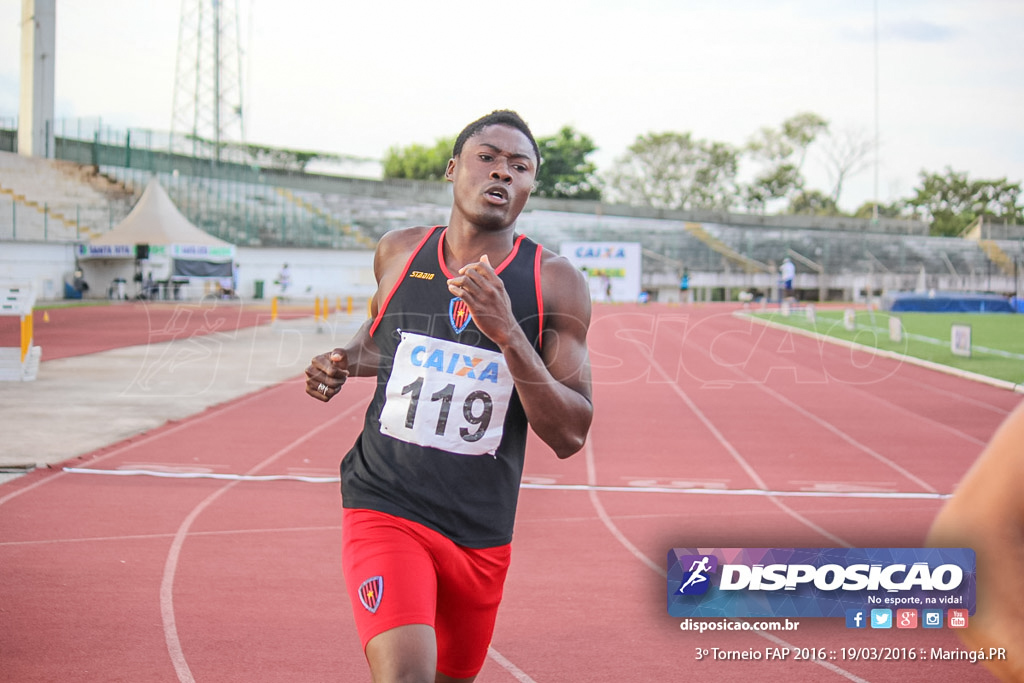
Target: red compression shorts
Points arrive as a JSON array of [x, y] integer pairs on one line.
[[399, 572]]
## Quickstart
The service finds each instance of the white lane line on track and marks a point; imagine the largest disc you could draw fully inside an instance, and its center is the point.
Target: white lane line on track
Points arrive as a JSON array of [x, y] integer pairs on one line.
[[226, 476], [763, 386], [663, 571], [736, 454], [847, 438], [174, 648], [194, 534], [508, 666], [912, 360], [766, 493], [144, 439], [894, 407], [606, 519]]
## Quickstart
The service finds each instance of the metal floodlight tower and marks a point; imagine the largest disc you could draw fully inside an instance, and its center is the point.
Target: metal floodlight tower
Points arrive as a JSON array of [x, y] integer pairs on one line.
[[207, 108]]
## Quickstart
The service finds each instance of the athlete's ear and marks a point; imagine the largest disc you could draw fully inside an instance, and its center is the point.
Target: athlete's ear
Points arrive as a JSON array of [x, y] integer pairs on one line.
[[450, 170]]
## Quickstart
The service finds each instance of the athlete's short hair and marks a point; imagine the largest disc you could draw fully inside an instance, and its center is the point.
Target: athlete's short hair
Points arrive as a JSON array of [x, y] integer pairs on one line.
[[498, 117]]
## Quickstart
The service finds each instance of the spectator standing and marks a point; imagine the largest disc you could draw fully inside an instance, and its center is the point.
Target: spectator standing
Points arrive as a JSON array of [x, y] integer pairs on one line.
[[284, 280], [787, 271]]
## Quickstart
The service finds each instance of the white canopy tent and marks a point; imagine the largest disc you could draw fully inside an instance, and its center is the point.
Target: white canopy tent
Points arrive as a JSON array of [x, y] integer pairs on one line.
[[155, 242]]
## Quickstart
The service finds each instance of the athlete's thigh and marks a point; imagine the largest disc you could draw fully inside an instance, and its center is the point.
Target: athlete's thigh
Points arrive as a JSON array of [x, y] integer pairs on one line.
[[389, 574], [403, 653], [470, 587]]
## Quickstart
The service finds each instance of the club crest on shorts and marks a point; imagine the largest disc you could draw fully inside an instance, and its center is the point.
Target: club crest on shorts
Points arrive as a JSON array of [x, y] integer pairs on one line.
[[370, 593], [458, 314]]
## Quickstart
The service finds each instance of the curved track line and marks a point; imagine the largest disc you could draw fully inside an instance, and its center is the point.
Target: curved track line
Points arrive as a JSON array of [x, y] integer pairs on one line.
[[636, 552], [174, 648], [605, 518], [508, 666]]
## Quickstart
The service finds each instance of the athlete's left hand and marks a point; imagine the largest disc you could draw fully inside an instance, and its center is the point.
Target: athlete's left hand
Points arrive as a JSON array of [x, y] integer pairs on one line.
[[483, 291]]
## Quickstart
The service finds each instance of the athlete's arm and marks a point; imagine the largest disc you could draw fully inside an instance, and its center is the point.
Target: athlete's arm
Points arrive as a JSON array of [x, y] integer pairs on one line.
[[555, 386], [327, 372], [987, 513]]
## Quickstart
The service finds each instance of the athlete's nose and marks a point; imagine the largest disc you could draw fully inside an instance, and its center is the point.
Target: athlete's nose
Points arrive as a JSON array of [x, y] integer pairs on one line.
[[501, 174]]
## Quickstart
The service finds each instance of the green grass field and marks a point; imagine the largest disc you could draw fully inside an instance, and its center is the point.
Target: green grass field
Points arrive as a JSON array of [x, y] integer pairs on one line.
[[997, 339]]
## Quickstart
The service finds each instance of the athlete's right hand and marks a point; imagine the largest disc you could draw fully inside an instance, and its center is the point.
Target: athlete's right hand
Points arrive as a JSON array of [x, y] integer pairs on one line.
[[326, 373]]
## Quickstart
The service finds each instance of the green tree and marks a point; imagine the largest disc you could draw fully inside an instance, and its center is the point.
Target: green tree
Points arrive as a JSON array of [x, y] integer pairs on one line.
[[896, 209], [419, 162], [675, 171], [813, 203], [952, 201], [565, 171], [781, 153], [800, 131], [714, 182], [775, 182]]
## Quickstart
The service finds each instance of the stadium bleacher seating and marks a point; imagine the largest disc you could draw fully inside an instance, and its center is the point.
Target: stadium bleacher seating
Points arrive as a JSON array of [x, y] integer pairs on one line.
[[322, 212], [43, 199]]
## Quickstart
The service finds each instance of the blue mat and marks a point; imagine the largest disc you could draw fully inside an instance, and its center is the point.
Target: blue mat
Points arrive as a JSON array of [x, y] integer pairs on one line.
[[953, 302]]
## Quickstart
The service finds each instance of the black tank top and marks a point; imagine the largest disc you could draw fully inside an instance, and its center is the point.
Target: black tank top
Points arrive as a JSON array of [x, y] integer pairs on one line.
[[444, 437]]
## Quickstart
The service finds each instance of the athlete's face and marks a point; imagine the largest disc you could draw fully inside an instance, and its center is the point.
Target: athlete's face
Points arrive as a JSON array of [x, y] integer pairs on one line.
[[493, 177]]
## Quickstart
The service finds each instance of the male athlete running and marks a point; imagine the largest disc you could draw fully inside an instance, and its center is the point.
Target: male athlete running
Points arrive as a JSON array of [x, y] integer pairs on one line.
[[475, 332]]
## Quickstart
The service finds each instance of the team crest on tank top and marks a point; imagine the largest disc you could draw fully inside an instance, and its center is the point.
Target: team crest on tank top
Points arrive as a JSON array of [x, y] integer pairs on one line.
[[445, 392], [458, 314]]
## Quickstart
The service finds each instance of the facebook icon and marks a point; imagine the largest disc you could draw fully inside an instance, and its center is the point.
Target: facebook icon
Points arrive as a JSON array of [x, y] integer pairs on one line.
[[856, 618]]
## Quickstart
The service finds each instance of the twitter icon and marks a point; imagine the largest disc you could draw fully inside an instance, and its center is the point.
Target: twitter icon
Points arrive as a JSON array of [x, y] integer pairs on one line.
[[881, 618]]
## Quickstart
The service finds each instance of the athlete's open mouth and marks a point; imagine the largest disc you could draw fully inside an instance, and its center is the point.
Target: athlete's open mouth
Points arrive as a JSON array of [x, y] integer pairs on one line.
[[497, 192]]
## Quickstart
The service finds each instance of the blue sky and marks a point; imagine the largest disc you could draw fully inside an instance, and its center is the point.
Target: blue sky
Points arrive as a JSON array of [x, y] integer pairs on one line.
[[357, 77]]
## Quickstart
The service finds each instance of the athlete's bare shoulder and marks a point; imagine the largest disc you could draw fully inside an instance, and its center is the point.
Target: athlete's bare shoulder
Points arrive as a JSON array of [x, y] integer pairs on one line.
[[395, 248], [399, 243], [389, 259], [564, 287]]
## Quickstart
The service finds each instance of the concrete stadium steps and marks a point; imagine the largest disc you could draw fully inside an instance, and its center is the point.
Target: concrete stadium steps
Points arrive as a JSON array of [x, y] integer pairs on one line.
[[667, 246], [248, 214], [998, 256], [42, 199], [353, 214], [374, 216], [847, 252], [746, 263], [342, 222]]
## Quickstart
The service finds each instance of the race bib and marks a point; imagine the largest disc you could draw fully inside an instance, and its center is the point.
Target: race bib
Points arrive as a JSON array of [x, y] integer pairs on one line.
[[446, 395]]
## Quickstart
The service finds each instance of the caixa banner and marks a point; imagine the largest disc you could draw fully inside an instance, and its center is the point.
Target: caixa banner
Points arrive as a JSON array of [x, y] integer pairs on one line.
[[816, 582]]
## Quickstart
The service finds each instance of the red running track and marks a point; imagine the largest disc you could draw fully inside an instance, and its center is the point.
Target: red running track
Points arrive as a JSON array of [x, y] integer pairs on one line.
[[141, 578], [81, 330]]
